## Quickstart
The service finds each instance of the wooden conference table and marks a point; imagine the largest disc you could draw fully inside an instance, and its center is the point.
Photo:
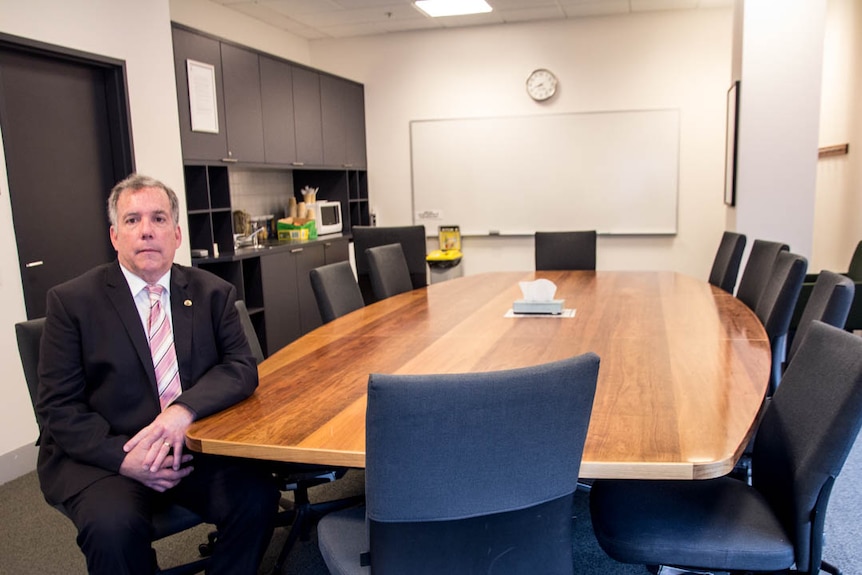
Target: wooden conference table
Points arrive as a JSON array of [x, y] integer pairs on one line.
[[684, 369]]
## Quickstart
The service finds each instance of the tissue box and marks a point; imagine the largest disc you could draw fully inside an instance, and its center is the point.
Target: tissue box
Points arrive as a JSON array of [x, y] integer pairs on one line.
[[297, 231], [552, 307]]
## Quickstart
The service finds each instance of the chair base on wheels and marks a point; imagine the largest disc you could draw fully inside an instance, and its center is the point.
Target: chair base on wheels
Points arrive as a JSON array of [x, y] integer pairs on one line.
[[301, 515]]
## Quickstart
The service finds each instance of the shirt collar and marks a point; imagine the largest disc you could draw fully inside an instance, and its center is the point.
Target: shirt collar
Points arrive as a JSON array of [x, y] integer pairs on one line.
[[136, 284]]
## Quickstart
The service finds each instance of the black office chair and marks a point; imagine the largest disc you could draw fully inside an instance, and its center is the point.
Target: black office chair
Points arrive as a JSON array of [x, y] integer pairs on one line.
[[775, 307], [412, 240], [758, 270], [166, 522], [566, 250], [468, 473], [829, 301], [725, 266], [248, 329], [777, 522], [335, 290], [300, 513], [388, 270], [854, 272]]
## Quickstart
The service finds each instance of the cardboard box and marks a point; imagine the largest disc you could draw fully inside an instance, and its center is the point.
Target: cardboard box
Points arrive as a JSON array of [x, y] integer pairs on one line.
[[297, 231]]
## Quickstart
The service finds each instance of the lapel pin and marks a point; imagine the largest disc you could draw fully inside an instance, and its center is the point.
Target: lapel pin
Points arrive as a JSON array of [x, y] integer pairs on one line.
[[187, 303]]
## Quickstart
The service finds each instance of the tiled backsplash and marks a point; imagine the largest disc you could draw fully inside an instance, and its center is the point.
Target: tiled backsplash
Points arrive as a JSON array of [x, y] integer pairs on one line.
[[260, 192]]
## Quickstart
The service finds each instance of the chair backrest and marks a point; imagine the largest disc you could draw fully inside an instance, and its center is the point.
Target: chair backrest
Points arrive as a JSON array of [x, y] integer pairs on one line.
[[806, 433], [757, 271], [776, 304], [389, 273], [29, 335], [412, 240], [464, 462], [566, 250], [725, 266], [335, 290], [248, 329], [854, 272], [829, 302]]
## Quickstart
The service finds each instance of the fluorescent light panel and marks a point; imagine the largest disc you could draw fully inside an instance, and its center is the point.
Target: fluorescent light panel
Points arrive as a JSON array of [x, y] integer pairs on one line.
[[437, 8]]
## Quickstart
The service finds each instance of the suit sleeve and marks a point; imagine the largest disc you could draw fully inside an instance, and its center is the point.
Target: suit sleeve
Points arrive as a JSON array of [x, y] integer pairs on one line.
[[63, 402], [231, 374]]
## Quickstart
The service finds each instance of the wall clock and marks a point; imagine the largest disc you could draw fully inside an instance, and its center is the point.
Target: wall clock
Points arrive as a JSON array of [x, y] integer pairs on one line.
[[541, 84]]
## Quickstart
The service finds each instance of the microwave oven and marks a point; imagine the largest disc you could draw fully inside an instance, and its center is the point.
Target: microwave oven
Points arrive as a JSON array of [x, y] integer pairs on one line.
[[327, 217]]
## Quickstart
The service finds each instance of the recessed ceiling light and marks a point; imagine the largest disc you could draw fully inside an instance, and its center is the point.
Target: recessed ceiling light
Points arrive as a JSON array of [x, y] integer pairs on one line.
[[437, 8]]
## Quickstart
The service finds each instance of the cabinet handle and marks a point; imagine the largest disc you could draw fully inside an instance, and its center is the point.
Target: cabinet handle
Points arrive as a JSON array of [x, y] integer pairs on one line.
[[35, 264], [295, 250], [346, 165], [297, 163], [230, 160]]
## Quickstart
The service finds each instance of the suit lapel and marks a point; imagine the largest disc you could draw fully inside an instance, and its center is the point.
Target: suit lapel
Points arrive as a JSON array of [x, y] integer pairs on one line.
[[182, 313], [121, 298]]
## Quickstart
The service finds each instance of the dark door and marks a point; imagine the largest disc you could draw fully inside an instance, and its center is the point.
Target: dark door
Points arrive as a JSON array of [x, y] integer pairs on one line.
[[65, 135]]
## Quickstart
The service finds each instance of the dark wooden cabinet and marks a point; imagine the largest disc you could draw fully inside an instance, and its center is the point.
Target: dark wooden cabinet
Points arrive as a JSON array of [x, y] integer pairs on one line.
[[276, 288], [199, 146], [343, 122], [242, 102], [306, 114], [279, 129], [209, 208], [282, 323]]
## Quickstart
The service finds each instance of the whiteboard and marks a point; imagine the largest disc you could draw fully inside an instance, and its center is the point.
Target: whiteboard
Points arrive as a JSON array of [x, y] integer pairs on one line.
[[613, 172]]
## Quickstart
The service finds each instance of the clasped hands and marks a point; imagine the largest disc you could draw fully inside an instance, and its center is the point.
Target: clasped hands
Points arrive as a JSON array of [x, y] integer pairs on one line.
[[154, 456]]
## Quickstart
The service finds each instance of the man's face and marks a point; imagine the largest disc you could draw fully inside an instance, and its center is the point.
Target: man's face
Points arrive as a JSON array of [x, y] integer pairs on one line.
[[145, 236]]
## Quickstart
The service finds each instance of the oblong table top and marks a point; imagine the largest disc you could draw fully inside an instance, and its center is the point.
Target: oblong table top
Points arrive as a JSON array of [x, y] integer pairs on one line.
[[684, 369]]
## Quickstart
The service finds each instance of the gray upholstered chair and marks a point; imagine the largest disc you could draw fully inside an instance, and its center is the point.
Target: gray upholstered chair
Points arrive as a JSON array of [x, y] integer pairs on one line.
[[166, 522], [725, 266], [566, 250], [854, 272], [468, 473], [829, 302], [777, 522], [248, 329], [775, 307], [389, 272], [758, 270], [412, 240], [335, 290]]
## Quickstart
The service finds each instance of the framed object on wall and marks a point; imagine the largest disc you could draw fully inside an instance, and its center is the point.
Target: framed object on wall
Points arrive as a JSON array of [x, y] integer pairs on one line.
[[730, 144]]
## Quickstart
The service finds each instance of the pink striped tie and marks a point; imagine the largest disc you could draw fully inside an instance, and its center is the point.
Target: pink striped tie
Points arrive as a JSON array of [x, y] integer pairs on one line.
[[162, 349]]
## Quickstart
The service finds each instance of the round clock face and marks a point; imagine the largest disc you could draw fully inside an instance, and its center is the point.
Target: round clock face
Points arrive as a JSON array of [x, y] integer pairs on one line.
[[541, 84]]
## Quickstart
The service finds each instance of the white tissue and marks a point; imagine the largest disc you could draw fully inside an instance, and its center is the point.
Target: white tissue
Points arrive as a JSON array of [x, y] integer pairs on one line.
[[539, 290]]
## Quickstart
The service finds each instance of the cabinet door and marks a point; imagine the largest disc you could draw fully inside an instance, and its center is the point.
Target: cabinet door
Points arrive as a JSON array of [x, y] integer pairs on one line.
[[306, 113], [280, 300], [307, 258], [355, 125], [279, 130], [333, 112], [336, 250], [198, 145], [243, 112]]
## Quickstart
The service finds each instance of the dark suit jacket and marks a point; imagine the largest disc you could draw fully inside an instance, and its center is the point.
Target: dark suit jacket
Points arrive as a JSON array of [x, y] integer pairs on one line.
[[97, 384]]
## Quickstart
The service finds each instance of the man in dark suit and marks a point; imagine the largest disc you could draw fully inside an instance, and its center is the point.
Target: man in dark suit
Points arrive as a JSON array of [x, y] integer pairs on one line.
[[111, 449]]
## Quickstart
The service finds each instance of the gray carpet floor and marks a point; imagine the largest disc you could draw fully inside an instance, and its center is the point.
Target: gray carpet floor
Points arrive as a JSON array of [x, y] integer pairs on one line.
[[37, 539]]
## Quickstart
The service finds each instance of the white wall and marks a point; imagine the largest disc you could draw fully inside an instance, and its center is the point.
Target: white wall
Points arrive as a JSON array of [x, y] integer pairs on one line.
[[779, 111], [838, 205], [656, 60]]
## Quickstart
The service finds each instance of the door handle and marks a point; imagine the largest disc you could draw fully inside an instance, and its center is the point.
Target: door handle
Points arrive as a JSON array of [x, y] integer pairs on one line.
[[35, 264]]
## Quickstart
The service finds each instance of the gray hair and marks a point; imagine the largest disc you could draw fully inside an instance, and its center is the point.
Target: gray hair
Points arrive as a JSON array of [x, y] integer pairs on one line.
[[135, 182]]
